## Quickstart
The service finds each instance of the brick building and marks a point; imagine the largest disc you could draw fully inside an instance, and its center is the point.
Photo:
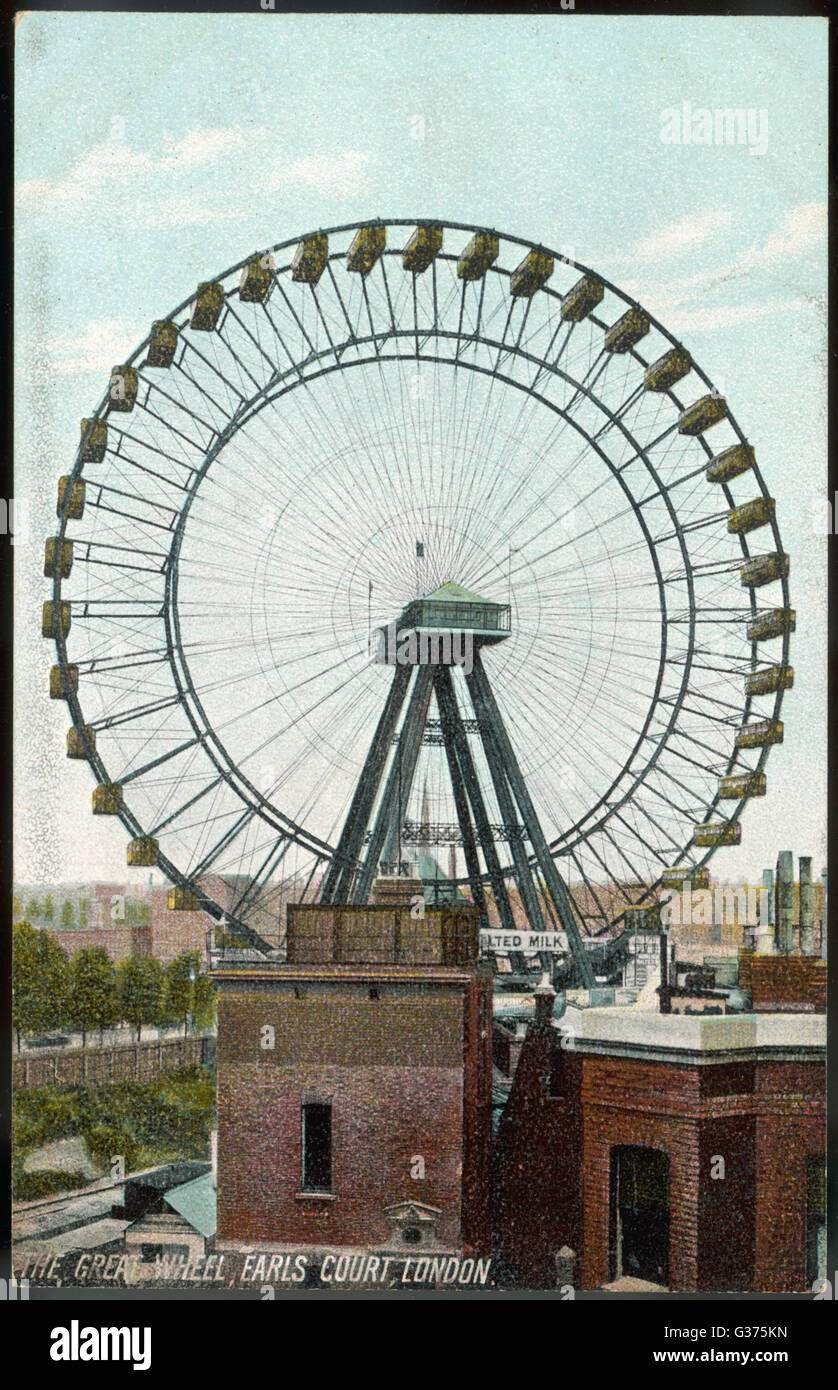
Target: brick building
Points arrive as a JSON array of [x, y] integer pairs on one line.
[[665, 1150], [354, 1084]]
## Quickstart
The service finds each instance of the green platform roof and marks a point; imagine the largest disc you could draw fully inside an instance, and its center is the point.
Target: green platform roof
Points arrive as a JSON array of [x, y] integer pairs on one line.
[[455, 593]]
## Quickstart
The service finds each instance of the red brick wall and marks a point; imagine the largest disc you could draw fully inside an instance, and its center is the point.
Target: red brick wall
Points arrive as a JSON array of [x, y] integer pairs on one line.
[[537, 1162], [746, 1231], [406, 1075], [790, 1126]]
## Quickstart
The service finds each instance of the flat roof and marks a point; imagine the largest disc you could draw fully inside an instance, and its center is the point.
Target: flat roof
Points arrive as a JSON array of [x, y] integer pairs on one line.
[[700, 1037]]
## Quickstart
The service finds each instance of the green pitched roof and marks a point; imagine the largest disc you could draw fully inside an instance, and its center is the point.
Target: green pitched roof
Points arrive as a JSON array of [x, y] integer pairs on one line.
[[455, 593], [195, 1202]]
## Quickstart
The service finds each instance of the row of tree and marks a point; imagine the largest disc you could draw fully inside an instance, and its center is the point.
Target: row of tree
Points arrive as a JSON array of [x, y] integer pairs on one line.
[[86, 991], [46, 911]]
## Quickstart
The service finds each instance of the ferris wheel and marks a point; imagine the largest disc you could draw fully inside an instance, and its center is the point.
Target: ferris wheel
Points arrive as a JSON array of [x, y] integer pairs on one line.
[[357, 418]]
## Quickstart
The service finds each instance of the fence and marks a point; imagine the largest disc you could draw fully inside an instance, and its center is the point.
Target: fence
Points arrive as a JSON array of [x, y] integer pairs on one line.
[[97, 1066]]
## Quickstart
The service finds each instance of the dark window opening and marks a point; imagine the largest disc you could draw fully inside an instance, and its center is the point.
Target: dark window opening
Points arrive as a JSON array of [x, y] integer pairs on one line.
[[556, 1072], [411, 1235], [375, 992], [317, 1147], [639, 1224], [815, 1220]]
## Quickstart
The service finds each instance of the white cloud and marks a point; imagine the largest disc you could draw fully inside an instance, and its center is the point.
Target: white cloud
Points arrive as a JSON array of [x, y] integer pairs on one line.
[[102, 345], [687, 234], [161, 186], [699, 320], [801, 229]]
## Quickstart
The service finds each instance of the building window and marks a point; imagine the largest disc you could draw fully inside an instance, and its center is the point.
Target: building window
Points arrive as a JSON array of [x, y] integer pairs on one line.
[[815, 1220], [317, 1147]]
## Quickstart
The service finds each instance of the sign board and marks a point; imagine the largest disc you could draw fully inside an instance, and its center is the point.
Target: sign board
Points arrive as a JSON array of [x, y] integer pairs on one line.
[[523, 941]]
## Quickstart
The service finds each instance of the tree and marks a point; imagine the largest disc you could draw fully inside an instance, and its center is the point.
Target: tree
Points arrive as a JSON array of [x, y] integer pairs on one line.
[[83, 912], [93, 1000], [181, 974], [141, 983], [68, 918], [33, 909], [40, 981], [17, 908], [49, 911], [204, 1002]]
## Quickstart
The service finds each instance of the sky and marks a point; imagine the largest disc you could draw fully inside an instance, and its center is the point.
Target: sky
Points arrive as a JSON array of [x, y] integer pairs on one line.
[[153, 151]]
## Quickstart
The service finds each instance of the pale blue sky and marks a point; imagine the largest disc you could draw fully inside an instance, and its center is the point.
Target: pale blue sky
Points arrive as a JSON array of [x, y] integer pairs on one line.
[[155, 150]]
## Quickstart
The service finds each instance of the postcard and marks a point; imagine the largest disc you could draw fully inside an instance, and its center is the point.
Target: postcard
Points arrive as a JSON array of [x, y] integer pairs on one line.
[[420, 533]]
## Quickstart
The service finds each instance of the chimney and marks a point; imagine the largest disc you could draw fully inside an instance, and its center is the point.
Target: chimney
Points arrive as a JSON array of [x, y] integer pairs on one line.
[[544, 995], [807, 908], [765, 934], [784, 909]]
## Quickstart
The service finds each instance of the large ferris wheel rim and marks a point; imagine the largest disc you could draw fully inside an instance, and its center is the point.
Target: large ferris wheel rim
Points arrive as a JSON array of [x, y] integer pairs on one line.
[[322, 849]]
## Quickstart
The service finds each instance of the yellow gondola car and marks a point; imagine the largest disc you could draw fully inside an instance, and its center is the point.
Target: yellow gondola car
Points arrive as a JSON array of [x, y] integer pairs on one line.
[[726, 833], [125, 382], [142, 852], [256, 281], [163, 345], [769, 680], [774, 622], [94, 440], [628, 330], [481, 252], [763, 569], [181, 900], [664, 373], [207, 306], [107, 799], [644, 918], [702, 415], [367, 249], [422, 249], [730, 463], [310, 259], [760, 734], [62, 684], [70, 499], [58, 557], [751, 515], [81, 743], [531, 275], [742, 784], [55, 618], [584, 296], [687, 874]]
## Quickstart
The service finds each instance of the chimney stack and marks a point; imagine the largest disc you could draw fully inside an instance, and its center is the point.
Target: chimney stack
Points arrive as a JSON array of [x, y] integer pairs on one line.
[[765, 934], [807, 908], [784, 910], [544, 996]]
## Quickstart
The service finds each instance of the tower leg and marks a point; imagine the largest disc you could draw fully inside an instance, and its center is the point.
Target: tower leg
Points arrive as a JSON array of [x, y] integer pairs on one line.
[[452, 729], [487, 711], [345, 863], [397, 790]]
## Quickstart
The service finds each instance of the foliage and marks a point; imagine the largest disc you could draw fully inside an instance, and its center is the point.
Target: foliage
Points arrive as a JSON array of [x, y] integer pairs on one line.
[[49, 911], [33, 909], [141, 984], [146, 1122], [68, 917], [93, 1001], [28, 1186], [40, 981], [181, 976]]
